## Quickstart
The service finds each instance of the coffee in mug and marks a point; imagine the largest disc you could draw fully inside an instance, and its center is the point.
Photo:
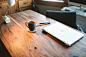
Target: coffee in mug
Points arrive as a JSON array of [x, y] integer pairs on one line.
[[31, 25]]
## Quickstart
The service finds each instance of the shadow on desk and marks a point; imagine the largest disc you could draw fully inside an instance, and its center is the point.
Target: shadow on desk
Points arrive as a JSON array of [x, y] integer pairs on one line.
[[3, 50]]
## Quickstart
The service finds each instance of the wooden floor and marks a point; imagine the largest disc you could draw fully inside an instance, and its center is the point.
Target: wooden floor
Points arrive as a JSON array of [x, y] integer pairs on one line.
[[3, 51]]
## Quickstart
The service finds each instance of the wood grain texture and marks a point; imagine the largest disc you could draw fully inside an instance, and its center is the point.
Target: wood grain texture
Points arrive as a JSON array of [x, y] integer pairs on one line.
[[21, 43], [2, 0], [12, 9], [24, 4], [0, 10]]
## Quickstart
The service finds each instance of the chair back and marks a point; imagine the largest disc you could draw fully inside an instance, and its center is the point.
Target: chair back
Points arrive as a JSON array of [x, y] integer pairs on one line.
[[68, 18], [34, 8]]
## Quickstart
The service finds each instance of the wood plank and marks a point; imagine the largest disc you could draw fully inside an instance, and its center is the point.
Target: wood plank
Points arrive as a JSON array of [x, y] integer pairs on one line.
[[24, 3], [14, 38], [0, 10], [21, 43], [12, 9], [4, 8]]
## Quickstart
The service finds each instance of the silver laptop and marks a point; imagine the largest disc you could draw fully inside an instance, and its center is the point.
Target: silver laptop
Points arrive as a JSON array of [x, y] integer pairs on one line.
[[64, 33]]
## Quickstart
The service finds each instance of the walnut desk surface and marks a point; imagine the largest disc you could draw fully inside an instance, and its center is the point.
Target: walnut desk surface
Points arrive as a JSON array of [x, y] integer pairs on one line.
[[21, 43]]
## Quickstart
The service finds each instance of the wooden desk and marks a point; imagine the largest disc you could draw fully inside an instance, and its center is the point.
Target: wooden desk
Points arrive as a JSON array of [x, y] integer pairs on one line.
[[21, 43]]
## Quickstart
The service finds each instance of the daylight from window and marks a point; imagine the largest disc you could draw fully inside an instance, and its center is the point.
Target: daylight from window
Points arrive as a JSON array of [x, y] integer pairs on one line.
[[54, 0]]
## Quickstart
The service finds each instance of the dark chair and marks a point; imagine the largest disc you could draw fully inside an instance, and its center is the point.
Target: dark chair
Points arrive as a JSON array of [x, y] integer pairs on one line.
[[66, 17], [34, 8]]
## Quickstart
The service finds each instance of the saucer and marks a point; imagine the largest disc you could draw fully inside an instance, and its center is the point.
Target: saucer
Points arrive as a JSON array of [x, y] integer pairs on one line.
[[32, 31]]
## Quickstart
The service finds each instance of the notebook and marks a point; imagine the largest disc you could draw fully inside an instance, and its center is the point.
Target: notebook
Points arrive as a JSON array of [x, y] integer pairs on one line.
[[64, 33]]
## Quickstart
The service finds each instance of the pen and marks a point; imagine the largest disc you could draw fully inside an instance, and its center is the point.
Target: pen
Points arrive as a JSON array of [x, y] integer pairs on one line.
[[40, 25], [45, 23]]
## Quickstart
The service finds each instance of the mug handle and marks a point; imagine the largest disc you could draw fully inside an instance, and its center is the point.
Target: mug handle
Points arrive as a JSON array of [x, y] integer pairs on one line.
[[26, 24]]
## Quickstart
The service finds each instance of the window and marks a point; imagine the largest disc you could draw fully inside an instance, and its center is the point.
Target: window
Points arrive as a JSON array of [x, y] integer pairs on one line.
[[55, 3], [54, 0]]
